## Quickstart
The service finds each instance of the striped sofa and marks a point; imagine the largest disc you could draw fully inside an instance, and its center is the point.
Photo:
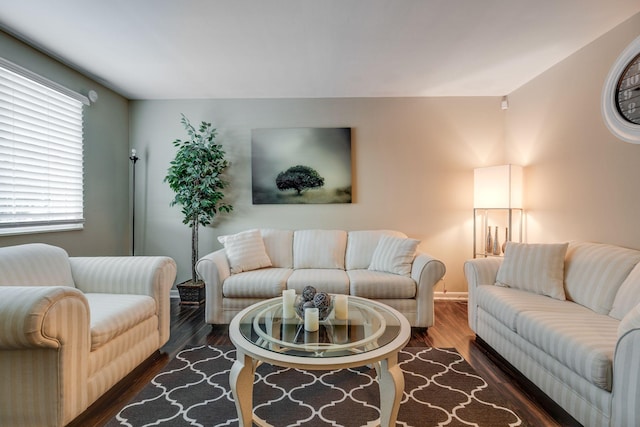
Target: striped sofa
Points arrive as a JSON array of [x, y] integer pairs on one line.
[[382, 265], [580, 347], [72, 327]]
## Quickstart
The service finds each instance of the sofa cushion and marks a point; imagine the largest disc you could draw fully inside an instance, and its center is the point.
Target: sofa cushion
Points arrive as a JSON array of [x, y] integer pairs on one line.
[[319, 248], [583, 342], [628, 295], [334, 281], [594, 272], [537, 268], [394, 255], [35, 264], [114, 314], [361, 245], [263, 283], [506, 304], [279, 246], [380, 285], [245, 251]]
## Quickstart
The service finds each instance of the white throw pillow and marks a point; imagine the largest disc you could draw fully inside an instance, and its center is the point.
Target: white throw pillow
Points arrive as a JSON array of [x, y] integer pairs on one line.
[[536, 268], [394, 255], [245, 251]]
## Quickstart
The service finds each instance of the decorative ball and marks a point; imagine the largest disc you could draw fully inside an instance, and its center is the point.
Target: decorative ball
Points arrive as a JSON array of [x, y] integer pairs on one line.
[[308, 293], [307, 304], [322, 300]]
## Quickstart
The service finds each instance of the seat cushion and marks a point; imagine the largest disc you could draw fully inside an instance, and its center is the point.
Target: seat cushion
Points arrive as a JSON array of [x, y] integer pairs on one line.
[[583, 342], [333, 281], [263, 283], [114, 314], [506, 304], [319, 248], [380, 285]]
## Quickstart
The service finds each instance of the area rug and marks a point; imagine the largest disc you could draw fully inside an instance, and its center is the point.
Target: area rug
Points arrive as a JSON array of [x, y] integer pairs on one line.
[[441, 389]]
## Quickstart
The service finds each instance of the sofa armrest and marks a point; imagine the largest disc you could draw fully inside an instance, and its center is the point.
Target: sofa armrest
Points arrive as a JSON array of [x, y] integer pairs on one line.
[[626, 375], [213, 269], [139, 275], [35, 316], [479, 271], [44, 348], [427, 271]]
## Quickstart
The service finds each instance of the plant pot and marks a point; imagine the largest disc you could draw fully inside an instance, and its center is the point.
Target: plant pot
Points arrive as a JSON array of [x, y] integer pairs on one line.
[[191, 293]]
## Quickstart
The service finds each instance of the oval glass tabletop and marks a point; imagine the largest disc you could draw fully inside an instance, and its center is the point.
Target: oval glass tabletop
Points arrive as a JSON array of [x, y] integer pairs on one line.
[[368, 326]]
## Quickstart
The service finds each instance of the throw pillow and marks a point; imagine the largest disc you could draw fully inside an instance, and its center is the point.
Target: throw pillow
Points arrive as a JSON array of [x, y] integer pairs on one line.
[[245, 251], [394, 255], [536, 268]]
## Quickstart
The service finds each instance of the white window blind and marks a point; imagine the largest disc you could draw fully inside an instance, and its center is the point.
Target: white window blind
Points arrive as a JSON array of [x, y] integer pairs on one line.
[[41, 160]]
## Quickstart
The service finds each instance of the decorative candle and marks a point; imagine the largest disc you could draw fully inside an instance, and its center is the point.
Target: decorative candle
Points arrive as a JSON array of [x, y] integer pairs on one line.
[[288, 300], [311, 322], [289, 330], [340, 306], [340, 334]]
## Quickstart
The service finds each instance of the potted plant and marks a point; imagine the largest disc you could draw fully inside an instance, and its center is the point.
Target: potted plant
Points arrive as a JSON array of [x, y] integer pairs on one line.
[[195, 175]]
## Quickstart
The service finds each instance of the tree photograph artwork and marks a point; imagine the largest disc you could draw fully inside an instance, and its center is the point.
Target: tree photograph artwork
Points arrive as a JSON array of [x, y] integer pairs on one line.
[[301, 165]]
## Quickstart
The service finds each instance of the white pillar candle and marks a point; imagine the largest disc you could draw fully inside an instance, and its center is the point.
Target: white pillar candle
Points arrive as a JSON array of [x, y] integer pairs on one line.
[[288, 300], [311, 322], [340, 306]]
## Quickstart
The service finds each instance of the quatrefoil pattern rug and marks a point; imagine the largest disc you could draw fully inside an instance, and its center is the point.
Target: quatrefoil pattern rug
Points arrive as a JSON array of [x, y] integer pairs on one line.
[[441, 389]]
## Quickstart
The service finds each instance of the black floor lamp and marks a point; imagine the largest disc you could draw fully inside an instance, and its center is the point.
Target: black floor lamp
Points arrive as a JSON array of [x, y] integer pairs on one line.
[[133, 159]]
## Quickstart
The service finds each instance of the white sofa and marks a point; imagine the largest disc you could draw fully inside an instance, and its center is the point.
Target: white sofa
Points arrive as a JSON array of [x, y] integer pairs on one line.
[[378, 264], [72, 327], [583, 351]]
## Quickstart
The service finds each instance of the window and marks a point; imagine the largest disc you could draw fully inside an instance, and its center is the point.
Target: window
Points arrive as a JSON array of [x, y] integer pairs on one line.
[[41, 162]]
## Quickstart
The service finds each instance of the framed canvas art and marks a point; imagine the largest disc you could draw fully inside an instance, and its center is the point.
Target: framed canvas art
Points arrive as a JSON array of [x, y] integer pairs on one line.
[[301, 165]]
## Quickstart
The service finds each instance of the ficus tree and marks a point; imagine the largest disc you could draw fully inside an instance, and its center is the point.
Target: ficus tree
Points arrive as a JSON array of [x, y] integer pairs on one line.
[[299, 178], [195, 175]]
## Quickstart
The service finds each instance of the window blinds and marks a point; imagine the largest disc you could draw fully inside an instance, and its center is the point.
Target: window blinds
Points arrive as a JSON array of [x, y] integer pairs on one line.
[[41, 159]]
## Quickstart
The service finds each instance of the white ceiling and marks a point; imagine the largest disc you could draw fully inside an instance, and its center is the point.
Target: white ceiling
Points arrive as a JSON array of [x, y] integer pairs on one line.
[[164, 49]]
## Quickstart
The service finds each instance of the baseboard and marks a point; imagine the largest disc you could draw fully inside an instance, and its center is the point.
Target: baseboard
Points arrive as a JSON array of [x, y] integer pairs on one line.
[[451, 296]]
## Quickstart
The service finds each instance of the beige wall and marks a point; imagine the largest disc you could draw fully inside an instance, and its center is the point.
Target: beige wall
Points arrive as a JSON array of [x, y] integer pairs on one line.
[[413, 161], [581, 182], [106, 164]]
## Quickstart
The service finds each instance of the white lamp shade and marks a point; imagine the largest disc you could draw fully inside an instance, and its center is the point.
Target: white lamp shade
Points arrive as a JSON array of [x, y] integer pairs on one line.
[[497, 187]]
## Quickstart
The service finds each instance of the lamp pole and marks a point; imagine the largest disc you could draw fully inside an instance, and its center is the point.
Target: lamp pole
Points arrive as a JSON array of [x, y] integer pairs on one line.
[[134, 158]]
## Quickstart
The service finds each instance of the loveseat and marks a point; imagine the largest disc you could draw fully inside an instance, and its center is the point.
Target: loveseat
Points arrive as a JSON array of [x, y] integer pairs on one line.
[[383, 265], [567, 317], [72, 327]]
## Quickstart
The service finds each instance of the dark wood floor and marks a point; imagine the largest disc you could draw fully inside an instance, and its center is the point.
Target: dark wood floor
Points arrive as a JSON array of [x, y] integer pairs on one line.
[[451, 330]]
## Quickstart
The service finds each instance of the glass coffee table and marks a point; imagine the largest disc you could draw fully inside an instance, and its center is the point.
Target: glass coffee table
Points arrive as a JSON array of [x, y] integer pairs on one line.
[[371, 334]]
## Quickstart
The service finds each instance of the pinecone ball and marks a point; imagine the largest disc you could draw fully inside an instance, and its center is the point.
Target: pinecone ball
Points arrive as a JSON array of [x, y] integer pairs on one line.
[[308, 293]]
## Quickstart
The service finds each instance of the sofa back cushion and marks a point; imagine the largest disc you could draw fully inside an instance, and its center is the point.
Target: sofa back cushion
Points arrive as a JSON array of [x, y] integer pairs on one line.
[[628, 295], [362, 244], [279, 245], [319, 248], [35, 264], [594, 273]]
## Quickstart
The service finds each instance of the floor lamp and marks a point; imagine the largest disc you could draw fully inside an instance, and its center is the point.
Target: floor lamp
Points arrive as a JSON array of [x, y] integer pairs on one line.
[[134, 158]]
